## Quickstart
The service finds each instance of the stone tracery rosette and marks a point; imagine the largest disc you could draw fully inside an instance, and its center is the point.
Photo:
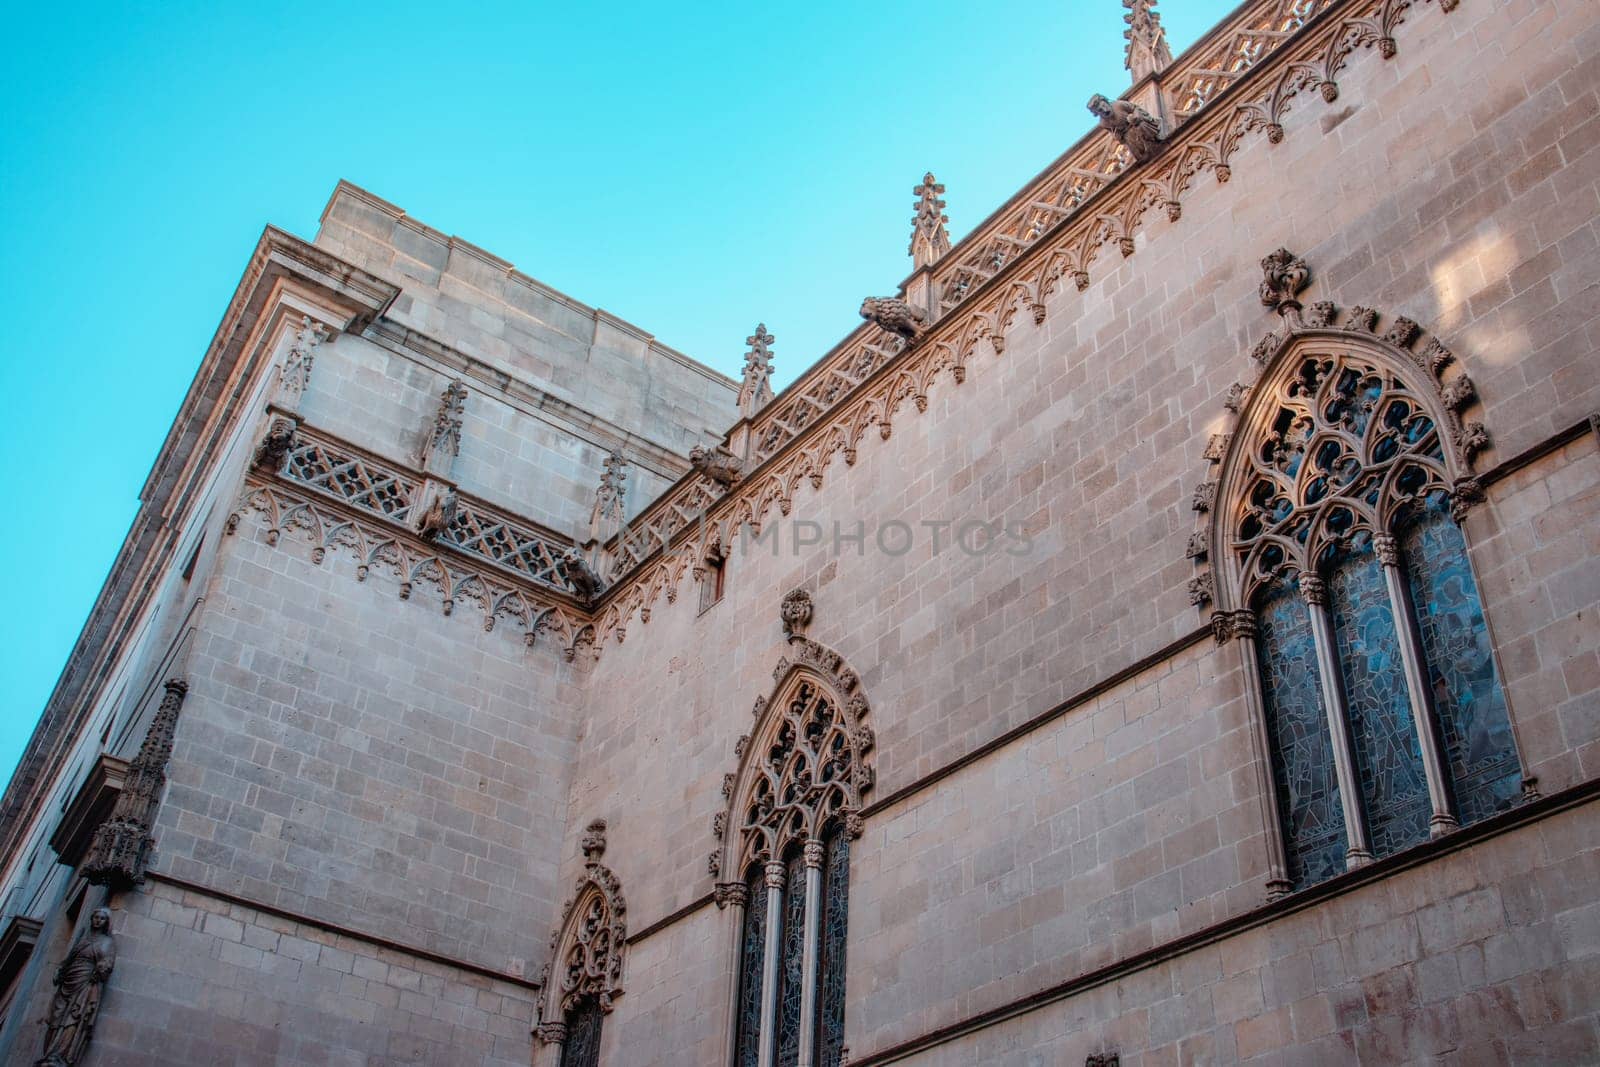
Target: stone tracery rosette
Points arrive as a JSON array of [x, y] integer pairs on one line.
[[589, 948], [804, 770]]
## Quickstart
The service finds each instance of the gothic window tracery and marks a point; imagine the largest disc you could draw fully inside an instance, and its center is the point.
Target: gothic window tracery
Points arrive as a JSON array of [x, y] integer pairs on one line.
[[584, 975], [1380, 705], [793, 809]]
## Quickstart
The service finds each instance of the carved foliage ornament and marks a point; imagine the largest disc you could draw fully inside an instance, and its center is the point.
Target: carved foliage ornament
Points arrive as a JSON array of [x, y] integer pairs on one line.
[[804, 769], [796, 613], [588, 950]]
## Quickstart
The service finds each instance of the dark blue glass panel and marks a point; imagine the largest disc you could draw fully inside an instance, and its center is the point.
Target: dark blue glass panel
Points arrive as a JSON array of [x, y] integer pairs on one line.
[[747, 1048], [791, 972], [1302, 764], [835, 916], [582, 1046], [1473, 723], [1388, 760]]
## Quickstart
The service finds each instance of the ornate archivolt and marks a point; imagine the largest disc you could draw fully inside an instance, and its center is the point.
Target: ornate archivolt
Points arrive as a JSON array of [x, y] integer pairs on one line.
[[590, 946], [1346, 430], [804, 767]]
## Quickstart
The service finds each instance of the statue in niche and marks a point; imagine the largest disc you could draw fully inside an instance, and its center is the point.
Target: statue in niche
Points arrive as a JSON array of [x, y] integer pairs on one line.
[[80, 983]]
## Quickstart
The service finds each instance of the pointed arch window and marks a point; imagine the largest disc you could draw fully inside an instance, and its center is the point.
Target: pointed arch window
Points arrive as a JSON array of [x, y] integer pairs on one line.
[[1380, 706], [584, 975], [793, 811]]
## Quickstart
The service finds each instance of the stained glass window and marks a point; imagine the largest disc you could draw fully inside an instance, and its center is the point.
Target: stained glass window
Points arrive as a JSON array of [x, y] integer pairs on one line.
[[747, 1049], [1308, 789], [582, 1045], [1383, 737], [1346, 453], [835, 921], [1473, 723], [791, 971]]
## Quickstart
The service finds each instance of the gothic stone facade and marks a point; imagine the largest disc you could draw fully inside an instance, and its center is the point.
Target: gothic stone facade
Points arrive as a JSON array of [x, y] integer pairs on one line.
[[1266, 730]]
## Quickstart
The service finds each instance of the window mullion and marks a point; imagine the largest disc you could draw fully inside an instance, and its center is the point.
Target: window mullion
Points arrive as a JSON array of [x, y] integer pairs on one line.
[[1243, 627], [1315, 593], [1443, 819], [813, 920], [768, 1036]]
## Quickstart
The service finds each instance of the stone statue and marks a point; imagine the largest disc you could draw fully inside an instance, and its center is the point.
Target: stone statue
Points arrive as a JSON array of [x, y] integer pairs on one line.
[[894, 315], [1132, 125], [718, 464], [80, 982], [586, 584]]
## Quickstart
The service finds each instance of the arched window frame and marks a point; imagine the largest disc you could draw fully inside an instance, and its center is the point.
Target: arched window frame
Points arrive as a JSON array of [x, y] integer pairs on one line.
[[1231, 580], [757, 835], [588, 951]]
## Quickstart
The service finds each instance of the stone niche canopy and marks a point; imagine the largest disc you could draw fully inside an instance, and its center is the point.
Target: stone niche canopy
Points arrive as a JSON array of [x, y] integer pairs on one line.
[[90, 807]]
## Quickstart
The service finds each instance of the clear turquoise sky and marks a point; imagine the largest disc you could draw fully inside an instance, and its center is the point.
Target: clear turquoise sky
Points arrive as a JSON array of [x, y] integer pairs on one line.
[[691, 168]]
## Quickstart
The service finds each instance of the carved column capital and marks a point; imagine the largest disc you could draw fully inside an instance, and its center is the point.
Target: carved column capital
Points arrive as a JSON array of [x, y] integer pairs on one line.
[[735, 893], [774, 874], [1313, 590], [554, 1033], [814, 853], [1387, 549]]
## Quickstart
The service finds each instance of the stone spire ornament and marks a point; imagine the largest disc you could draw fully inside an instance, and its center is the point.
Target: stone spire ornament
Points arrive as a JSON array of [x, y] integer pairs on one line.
[[295, 374], [443, 442], [929, 239], [1147, 40], [756, 391], [610, 500], [121, 845]]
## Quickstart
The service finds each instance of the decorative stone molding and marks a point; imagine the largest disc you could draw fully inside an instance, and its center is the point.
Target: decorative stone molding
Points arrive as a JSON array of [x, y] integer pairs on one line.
[[755, 391], [80, 983], [929, 238], [122, 843], [294, 377], [1134, 128], [1306, 371], [804, 768], [894, 315], [395, 549], [443, 442], [796, 613], [589, 948], [1284, 276]]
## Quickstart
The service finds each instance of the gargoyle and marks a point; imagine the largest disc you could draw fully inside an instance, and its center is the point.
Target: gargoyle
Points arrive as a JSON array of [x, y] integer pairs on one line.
[[577, 573], [718, 464], [1133, 126], [894, 315], [278, 443], [438, 515]]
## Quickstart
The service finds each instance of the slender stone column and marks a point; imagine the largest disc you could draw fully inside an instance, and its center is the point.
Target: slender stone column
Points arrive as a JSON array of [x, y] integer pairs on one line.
[[1443, 819], [733, 896], [1242, 626], [769, 965], [808, 988], [1357, 852]]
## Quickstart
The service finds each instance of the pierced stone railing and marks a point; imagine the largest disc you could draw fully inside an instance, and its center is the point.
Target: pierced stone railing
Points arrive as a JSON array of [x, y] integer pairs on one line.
[[333, 469]]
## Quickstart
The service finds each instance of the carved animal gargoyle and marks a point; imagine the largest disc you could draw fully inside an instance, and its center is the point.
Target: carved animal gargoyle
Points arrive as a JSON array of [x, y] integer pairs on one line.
[[894, 315], [438, 515], [718, 464], [576, 572], [1134, 127]]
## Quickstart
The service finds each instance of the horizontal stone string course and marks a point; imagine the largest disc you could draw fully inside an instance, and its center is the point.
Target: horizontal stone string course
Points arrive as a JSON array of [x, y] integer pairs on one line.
[[1205, 143]]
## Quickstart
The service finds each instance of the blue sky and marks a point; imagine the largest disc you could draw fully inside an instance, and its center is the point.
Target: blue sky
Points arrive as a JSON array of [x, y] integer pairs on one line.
[[694, 169]]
